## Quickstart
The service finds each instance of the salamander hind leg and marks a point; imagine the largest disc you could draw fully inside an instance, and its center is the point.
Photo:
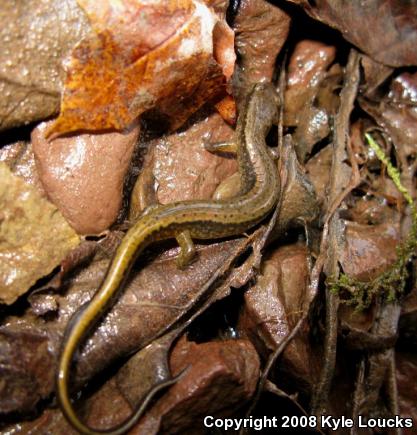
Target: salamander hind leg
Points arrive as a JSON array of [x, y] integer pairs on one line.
[[187, 249]]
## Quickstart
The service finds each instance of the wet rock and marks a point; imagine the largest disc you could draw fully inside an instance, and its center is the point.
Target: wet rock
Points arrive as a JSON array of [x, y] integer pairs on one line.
[[83, 174], [221, 378], [370, 249]]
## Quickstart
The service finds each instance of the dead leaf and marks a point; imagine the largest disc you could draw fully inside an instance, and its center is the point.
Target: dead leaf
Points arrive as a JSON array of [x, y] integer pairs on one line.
[[396, 112], [311, 93], [34, 38], [34, 236], [25, 366], [261, 30], [375, 74], [272, 308], [20, 159], [406, 369], [318, 170], [383, 29], [299, 203], [143, 56]]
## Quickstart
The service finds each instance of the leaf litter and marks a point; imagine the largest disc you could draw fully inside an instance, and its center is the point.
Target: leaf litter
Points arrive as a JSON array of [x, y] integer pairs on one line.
[[250, 333]]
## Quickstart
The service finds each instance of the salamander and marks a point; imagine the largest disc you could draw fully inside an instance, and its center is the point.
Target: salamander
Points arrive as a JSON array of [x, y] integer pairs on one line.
[[185, 220]]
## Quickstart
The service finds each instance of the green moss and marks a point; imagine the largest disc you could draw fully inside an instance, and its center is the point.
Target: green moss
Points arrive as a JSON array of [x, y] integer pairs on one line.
[[390, 284]]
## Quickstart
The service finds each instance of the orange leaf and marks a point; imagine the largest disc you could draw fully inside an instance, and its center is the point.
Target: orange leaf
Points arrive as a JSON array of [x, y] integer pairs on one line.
[[156, 55]]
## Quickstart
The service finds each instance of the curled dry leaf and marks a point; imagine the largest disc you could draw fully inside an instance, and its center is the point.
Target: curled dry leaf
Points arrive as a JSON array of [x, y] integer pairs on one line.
[[34, 236], [143, 55], [298, 198]]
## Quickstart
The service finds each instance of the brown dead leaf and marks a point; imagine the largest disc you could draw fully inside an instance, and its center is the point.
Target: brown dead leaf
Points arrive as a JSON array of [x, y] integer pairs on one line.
[[25, 366], [34, 38], [34, 236], [396, 112], [51, 421], [142, 56], [384, 29], [20, 159], [408, 320], [261, 30], [299, 203], [274, 305], [406, 371], [374, 74], [306, 69], [153, 299], [311, 93], [318, 169]]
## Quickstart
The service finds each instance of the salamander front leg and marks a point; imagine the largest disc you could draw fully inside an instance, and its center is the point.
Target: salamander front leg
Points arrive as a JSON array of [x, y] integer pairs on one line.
[[187, 249], [221, 147]]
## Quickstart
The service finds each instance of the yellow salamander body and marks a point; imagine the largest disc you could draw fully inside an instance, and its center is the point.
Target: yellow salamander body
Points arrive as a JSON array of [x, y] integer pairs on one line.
[[259, 194]]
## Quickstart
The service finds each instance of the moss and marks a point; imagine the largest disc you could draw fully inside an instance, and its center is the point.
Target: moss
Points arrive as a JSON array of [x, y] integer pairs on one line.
[[390, 284]]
